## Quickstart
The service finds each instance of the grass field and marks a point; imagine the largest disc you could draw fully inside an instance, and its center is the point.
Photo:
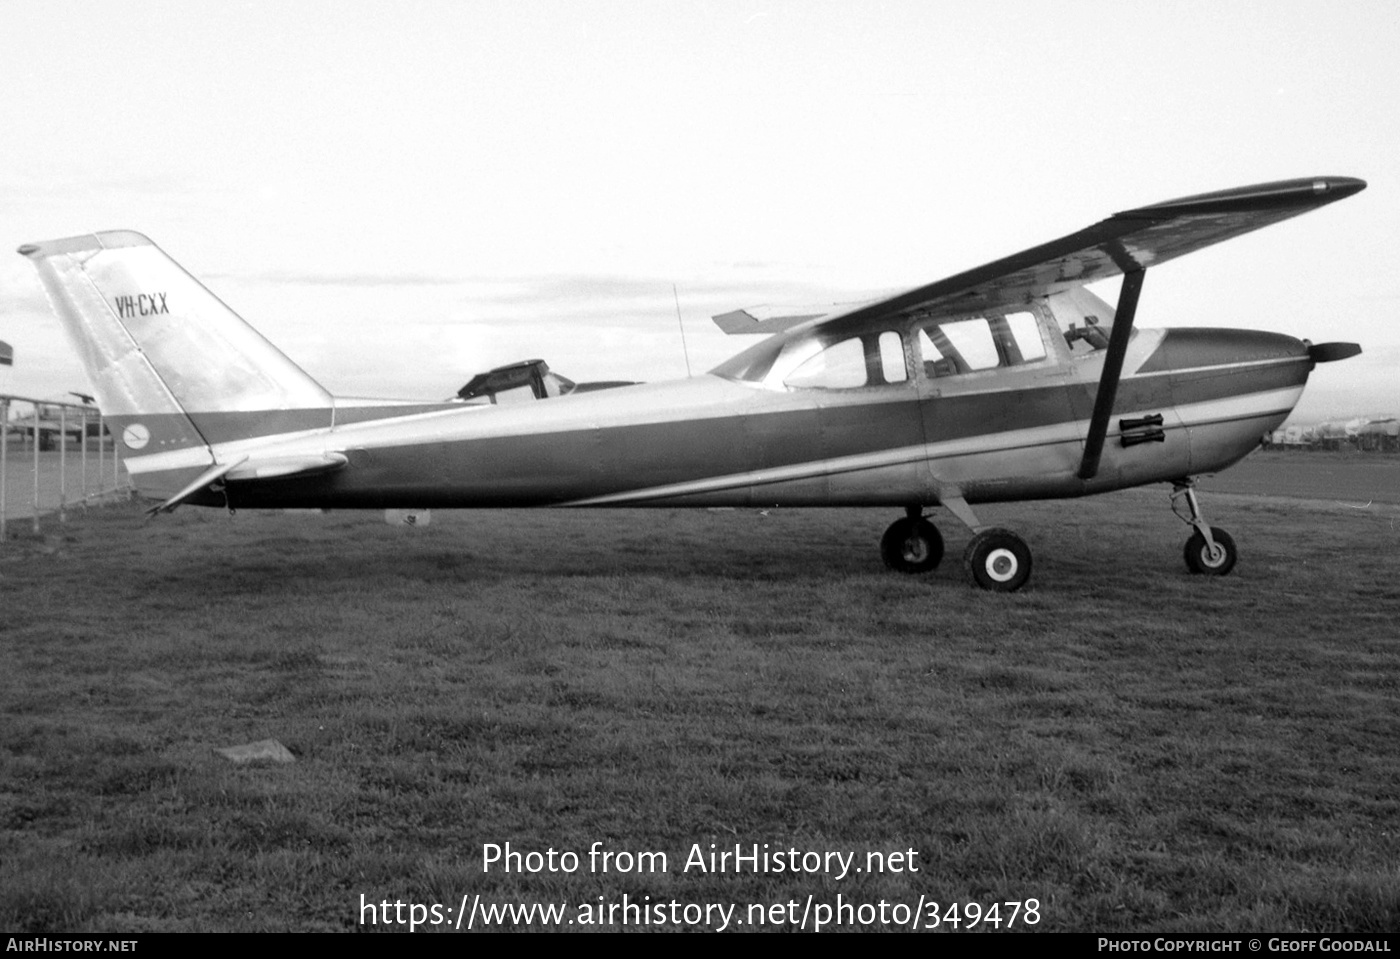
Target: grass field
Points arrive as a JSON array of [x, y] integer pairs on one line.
[[1349, 477], [1135, 748]]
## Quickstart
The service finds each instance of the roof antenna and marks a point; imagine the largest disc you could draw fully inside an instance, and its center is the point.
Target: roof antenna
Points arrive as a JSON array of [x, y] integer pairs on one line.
[[684, 349]]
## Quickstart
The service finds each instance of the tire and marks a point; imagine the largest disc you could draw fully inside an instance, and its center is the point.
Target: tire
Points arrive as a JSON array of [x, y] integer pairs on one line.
[[998, 560], [1199, 560], [912, 546]]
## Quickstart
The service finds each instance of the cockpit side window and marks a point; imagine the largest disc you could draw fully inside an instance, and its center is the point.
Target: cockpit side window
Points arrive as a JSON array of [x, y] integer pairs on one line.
[[953, 347], [1021, 331], [972, 343]]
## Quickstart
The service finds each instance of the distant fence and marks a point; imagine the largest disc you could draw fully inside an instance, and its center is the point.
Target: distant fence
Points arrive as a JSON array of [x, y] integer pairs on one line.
[[64, 458]]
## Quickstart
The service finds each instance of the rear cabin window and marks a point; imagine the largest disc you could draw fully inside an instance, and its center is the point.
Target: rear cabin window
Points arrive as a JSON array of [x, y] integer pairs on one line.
[[873, 359], [841, 366]]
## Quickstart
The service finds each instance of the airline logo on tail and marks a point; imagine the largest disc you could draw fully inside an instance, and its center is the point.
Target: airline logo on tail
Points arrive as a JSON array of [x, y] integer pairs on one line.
[[136, 436]]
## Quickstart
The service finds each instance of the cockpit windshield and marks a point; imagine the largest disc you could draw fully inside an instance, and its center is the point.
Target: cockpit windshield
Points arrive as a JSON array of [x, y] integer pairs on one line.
[[1085, 321]]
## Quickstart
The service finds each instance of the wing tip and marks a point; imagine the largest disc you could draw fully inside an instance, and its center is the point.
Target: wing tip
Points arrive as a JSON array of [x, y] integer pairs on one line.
[[1305, 192]]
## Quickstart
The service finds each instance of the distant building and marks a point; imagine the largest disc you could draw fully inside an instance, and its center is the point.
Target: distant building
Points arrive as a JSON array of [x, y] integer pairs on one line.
[[1380, 434]]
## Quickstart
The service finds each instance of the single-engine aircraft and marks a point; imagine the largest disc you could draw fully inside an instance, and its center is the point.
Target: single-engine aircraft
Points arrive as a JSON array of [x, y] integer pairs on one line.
[[1007, 382]]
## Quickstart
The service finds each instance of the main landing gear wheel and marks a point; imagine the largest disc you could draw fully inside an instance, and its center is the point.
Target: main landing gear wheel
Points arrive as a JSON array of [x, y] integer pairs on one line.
[[1201, 559], [999, 560], [912, 545]]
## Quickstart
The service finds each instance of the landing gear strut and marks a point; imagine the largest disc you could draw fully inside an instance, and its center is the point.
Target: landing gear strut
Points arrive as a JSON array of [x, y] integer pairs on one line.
[[912, 544], [999, 560], [1210, 550]]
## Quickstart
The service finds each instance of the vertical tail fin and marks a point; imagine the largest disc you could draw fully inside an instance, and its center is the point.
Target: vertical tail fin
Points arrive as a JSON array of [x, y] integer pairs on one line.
[[172, 366], [155, 341]]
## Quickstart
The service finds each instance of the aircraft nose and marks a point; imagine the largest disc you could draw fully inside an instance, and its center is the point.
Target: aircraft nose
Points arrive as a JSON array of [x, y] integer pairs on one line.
[[1199, 349]]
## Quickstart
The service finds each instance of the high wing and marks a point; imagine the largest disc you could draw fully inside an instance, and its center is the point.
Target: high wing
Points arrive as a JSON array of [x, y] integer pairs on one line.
[[1125, 242]]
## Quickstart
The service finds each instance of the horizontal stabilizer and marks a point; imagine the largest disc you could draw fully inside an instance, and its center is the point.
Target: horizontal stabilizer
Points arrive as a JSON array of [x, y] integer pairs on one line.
[[210, 476], [281, 467], [248, 469]]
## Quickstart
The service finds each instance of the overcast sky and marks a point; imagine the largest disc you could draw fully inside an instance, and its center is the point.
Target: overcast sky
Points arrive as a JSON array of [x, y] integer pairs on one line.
[[401, 194]]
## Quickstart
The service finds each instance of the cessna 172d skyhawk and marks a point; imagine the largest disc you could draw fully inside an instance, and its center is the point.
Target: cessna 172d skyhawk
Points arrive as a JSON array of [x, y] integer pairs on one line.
[[1007, 382]]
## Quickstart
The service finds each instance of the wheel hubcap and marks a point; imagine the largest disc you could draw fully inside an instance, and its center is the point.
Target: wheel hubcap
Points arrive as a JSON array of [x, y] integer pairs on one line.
[[1002, 565]]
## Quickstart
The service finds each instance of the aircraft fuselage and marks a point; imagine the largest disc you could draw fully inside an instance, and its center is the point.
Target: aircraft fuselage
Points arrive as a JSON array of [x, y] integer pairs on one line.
[[713, 441]]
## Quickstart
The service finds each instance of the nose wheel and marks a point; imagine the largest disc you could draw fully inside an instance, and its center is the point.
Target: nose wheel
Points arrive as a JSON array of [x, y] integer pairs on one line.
[[1210, 551], [1211, 559]]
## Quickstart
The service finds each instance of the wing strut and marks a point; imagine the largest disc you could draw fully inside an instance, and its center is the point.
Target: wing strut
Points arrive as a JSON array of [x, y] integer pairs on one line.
[[1113, 361]]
